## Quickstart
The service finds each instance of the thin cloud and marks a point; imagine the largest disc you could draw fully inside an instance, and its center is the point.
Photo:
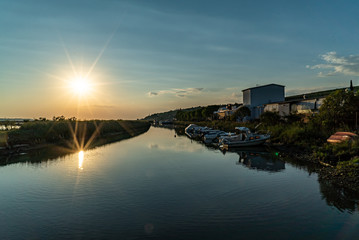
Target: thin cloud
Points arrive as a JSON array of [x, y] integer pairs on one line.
[[177, 92], [335, 64], [100, 106], [151, 94], [234, 97]]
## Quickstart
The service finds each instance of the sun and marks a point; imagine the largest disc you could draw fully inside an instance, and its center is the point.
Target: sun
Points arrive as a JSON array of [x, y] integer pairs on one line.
[[80, 86]]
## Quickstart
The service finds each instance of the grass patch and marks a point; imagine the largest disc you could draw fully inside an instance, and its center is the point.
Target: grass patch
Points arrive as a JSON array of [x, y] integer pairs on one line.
[[67, 132], [3, 138]]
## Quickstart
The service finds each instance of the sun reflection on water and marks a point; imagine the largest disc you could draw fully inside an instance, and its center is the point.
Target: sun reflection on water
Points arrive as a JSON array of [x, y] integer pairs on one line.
[[81, 159]]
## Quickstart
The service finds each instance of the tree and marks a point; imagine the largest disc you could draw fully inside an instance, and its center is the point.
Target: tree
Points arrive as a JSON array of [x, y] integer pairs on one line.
[[270, 118], [240, 112], [58, 118], [339, 109], [207, 112]]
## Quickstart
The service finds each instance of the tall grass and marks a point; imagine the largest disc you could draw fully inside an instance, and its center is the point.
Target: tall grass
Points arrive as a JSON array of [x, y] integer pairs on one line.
[[74, 132]]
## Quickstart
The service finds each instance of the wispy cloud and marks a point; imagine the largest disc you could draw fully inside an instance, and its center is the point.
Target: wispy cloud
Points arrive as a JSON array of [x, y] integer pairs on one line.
[[151, 94], [176, 92], [99, 106], [335, 64], [234, 97]]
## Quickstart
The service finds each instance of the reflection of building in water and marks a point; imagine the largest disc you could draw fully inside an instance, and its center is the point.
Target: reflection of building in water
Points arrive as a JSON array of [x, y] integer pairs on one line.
[[260, 161]]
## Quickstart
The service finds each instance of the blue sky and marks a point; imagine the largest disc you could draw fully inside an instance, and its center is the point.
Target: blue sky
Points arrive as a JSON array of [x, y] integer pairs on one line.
[[153, 56]]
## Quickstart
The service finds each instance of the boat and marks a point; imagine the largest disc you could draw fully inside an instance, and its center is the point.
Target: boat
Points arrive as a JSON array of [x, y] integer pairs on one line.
[[195, 131], [211, 136], [339, 137], [243, 138]]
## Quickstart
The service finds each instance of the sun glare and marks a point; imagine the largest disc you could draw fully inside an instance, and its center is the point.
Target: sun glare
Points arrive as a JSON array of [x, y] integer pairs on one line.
[[80, 86], [81, 159]]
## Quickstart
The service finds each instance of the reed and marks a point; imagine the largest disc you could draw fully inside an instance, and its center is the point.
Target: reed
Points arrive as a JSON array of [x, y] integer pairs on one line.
[[76, 133]]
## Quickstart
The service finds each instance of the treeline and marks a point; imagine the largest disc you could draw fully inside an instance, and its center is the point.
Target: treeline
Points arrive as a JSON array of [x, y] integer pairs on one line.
[[198, 114], [69, 131], [206, 113]]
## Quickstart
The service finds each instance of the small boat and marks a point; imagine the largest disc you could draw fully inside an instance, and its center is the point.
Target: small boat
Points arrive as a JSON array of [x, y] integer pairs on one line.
[[243, 138], [211, 136], [195, 131], [339, 137]]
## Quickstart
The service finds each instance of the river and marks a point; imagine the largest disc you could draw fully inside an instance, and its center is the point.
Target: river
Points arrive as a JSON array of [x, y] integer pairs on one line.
[[158, 186]]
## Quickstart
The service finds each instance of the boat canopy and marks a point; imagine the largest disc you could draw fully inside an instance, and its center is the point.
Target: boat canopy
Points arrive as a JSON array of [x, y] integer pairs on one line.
[[243, 129]]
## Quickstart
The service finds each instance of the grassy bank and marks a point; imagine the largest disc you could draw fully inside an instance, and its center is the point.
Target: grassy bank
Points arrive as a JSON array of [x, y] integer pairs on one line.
[[306, 142], [72, 134]]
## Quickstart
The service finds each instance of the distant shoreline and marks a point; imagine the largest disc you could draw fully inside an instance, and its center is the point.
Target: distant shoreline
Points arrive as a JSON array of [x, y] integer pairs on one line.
[[29, 138]]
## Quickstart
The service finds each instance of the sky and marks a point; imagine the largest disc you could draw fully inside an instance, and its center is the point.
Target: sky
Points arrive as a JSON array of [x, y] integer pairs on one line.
[[140, 57]]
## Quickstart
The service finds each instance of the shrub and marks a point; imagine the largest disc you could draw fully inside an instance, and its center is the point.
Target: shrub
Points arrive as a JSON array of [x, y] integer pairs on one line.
[[270, 118]]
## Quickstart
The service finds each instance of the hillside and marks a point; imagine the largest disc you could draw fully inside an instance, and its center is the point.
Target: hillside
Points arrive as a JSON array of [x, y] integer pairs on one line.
[[169, 115]]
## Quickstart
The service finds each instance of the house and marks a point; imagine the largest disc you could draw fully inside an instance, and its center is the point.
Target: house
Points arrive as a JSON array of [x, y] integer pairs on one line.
[[295, 106], [227, 111], [256, 97], [307, 105], [283, 108]]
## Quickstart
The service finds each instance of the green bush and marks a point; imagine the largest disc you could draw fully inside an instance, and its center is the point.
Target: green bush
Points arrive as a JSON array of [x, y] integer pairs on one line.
[[339, 152], [270, 118]]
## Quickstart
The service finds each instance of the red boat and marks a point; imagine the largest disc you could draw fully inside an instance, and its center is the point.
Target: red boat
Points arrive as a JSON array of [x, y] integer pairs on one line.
[[339, 137]]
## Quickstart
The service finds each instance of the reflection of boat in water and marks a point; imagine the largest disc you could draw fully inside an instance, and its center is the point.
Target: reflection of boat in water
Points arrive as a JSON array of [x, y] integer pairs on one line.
[[259, 159]]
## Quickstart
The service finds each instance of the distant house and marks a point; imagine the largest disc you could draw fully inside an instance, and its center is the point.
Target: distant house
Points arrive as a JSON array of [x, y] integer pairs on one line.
[[256, 97], [227, 111], [283, 108], [307, 105]]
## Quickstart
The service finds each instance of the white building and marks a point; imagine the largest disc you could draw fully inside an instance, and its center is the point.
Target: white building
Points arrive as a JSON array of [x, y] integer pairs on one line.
[[282, 108], [296, 106], [256, 97]]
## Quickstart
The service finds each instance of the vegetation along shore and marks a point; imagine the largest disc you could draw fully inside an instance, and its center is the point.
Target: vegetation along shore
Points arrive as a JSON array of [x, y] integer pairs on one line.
[[303, 137], [69, 134]]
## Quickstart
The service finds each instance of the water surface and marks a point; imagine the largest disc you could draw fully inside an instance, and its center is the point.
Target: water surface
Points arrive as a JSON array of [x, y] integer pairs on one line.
[[159, 186]]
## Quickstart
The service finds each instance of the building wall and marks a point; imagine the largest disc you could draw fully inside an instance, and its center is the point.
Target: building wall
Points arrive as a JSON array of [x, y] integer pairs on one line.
[[307, 106], [282, 108], [266, 94], [247, 97], [257, 111], [255, 98]]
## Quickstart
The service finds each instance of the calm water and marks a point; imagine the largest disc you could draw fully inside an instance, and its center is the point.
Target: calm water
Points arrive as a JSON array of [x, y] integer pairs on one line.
[[158, 186]]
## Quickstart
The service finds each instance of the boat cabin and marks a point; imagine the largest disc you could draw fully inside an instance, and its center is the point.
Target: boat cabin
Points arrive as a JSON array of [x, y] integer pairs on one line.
[[242, 132]]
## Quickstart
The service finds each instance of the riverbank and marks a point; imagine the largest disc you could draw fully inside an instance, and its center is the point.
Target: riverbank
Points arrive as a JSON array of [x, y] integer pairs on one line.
[[66, 136], [344, 174], [337, 164]]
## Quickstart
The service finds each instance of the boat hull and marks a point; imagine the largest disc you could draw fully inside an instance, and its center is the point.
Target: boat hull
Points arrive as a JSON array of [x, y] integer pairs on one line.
[[235, 144]]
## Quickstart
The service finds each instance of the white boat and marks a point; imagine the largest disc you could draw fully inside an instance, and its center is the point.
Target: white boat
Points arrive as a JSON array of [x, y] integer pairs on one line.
[[194, 131], [212, 135], [243, 138]]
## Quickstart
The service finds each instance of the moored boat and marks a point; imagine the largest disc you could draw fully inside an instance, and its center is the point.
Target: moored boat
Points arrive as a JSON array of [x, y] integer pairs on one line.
[[339, 137], [243, 138]]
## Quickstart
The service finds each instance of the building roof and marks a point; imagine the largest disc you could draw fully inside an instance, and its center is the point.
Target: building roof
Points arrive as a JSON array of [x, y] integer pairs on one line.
[[320, 94], [295, 100], [267, 85]]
